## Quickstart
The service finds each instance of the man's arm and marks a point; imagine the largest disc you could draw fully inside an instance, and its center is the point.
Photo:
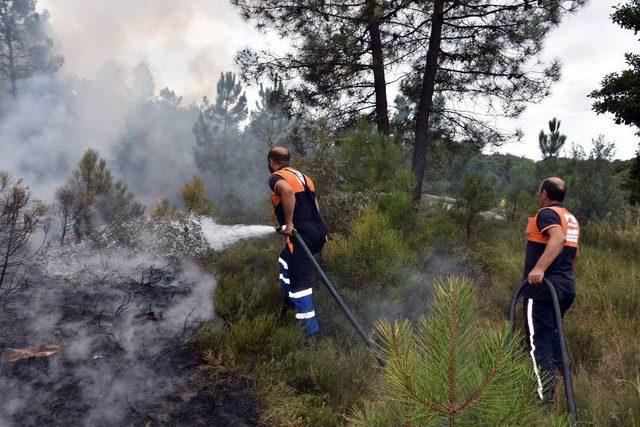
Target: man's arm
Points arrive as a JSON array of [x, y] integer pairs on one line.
[[288, 200], [576, 258], [551, 252]]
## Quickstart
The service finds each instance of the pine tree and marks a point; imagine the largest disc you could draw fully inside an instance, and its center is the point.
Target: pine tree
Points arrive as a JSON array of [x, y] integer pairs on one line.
[[475, 196], [20, 217], [143, 85], [25, 48], [65, 198], [338, 52], [271, 121], [217, 130], [448, 371], [551, 143], [98, 198], [469, 52], [194, 196]]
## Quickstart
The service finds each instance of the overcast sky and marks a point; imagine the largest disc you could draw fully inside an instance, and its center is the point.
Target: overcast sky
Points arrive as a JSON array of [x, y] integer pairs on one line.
[[187, 43]]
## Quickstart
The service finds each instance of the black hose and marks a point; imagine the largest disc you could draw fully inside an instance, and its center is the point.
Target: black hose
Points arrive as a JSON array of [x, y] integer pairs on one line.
[[334, 292], [566, 369]]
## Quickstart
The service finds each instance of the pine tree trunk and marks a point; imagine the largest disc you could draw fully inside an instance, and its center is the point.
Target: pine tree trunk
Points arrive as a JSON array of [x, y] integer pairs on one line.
[[379, 82], [5, 263], [8, 37], [421, 142]]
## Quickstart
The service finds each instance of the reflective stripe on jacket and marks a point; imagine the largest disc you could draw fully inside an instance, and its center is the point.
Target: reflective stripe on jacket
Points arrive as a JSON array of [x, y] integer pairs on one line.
[[569, 225]]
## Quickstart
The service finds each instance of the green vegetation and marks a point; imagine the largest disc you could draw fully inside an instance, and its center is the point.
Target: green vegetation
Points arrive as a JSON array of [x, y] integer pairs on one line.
[[194, 195], [375, 259], [93, 197], [298, 383], [371, 256], [602, 327], [446, 370]]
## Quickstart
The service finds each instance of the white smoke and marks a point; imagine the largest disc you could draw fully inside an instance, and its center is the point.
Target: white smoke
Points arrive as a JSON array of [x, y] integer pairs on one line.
[[120, 317], [44, 133]]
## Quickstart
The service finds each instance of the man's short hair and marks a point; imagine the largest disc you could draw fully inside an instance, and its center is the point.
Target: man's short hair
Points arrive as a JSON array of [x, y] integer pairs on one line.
[[555, 188], [279, 155]]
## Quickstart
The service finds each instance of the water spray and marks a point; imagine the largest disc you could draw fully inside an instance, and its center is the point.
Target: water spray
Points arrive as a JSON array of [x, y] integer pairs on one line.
[[332, 289], [566, 370]]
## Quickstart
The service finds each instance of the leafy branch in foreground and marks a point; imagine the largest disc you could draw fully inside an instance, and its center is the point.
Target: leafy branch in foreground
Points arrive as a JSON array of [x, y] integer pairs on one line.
[[446, 370]]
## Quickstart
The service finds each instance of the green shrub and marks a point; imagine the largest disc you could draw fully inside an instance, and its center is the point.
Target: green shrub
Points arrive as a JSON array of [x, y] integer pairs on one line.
[[373, 161], [476, 195], [250, 342], [373, 255], [246, 295], [194, 196], [398, 206], [449, 371]]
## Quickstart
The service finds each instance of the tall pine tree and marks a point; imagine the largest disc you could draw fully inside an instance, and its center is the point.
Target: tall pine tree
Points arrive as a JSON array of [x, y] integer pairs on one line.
[[25, 48], [217, 131]]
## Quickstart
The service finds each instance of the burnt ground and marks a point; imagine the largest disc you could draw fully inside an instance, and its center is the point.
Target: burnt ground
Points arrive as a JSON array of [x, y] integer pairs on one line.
[[101, 339], [227, 401]]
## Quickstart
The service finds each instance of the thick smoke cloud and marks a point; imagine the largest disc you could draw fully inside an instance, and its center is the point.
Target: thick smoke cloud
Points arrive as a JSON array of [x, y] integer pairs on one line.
[[147, 143], [118, 319], [186, 43]]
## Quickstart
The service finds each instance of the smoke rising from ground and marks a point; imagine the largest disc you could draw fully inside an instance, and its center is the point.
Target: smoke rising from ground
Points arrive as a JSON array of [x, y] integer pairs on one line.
[[119, 318], [147, 143]]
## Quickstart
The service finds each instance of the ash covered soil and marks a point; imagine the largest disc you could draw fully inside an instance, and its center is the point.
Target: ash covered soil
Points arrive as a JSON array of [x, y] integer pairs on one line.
[[98, 338]]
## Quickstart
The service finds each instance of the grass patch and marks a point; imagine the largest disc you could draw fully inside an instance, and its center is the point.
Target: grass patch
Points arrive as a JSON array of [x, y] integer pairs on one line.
[[603, 325]]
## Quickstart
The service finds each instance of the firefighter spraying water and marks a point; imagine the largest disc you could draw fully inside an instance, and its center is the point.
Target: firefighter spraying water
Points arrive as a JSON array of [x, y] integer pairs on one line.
[[296, 209]]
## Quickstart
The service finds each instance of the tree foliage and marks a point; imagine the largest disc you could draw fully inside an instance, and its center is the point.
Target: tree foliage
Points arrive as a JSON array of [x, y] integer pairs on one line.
[[550, 144], [143, 85], [20, 217], [97, 197], [373, 255], [372, 161], [620, 92], [217, 131], [632, 183], [272, 121], [448, 371], [478, 52], [65, 199], [476, 195], [194, 196], [25, 48], [339, 53]]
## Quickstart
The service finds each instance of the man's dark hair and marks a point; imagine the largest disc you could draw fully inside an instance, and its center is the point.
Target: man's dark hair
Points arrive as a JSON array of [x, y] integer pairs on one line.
[[279, 154], [555, 188]]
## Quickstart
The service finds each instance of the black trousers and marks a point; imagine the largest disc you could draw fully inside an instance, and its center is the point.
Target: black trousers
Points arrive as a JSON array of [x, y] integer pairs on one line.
[[297, 275], [543, 339]]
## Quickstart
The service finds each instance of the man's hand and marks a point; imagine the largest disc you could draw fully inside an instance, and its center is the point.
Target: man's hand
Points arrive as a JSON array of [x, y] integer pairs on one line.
[[535, 276], [288, 230]]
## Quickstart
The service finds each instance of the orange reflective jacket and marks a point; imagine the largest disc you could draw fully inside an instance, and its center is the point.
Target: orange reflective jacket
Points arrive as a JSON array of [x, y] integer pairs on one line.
[[295, 179], [569, 225], [306, 211]]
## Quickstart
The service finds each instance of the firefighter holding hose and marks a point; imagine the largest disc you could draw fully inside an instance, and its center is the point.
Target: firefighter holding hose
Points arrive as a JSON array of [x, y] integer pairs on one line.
[[551, 252], [296, 209]]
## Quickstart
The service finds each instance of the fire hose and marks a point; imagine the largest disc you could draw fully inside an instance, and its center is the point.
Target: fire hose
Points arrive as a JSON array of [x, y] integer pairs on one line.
[[566, 370], [332, 290]]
